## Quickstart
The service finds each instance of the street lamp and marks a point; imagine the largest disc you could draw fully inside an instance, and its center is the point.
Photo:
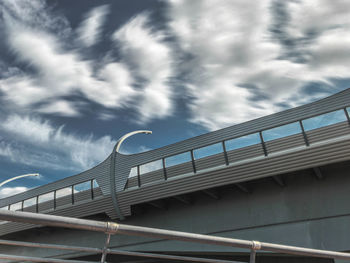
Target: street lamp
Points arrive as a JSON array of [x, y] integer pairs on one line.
[[113, 164], [17, 177]]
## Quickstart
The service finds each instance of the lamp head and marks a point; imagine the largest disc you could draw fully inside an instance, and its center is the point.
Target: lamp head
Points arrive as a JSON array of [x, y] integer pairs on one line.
[[33, 174]]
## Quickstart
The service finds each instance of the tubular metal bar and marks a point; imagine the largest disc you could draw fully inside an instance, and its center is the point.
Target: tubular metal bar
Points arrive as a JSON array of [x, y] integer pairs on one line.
[[37, 259], [304, 133], [347, 115], [263, 143], [252, 256], [225, 153], [104, 250], [112, 251], [114, 228]]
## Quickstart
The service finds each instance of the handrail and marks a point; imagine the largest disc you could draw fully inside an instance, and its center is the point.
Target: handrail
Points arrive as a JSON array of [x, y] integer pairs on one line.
[[111, 228]]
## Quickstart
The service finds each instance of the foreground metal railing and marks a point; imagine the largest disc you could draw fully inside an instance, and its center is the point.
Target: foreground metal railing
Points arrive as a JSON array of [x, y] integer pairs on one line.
[[111, 228]]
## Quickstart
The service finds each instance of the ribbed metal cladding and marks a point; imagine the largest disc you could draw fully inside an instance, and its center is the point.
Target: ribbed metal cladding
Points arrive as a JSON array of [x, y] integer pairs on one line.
[[301, 158]]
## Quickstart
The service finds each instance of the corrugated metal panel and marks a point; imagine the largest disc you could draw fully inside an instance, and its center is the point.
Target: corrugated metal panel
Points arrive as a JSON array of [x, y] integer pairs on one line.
[[179, 169], [245, 153], [210, 161], [97, 192], [289, 142], [46, 206], [302, 158], [82, 196], [30, 209], [154, 176], [64, 200], [328, 132], [132, 182]]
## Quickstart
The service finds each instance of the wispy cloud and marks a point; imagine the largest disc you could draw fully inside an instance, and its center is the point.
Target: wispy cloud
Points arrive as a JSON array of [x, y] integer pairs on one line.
[[58, 70], [36, 142], [9, 191], [238, 60], [239, 67], [150, 57], [89, 31]]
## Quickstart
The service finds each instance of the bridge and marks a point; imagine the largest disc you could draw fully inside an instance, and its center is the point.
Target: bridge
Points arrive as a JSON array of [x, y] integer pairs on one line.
[[282, 178]]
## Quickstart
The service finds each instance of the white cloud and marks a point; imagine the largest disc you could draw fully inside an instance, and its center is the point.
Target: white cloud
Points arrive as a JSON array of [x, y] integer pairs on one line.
[[60, 107], [89, 31], [61, 72], [145, 51], [39, 143], [233, 66], [9, 191], [232, 47]]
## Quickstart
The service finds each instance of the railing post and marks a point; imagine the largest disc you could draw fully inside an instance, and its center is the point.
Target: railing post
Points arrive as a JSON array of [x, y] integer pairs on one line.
[[73, 194], [225, 152], [138, 176], [105, 249], [347, 115], [92, 188], [54, 200], [263, 143], [193, 163], [37, 204], [164, 169], [22, 205], [304, 133], [252, 256]]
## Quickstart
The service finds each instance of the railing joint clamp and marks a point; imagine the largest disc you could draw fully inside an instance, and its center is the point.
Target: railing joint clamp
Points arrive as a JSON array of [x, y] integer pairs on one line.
[[256, 245], [111, 228]]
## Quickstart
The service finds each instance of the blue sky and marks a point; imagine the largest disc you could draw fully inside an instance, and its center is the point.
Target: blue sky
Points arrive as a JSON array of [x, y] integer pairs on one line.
[[77, 75]]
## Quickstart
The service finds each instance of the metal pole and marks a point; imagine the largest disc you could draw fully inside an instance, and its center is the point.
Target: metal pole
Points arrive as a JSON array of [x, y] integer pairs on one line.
[[114, 228], [17, 177], [113, 172], [252, 256]]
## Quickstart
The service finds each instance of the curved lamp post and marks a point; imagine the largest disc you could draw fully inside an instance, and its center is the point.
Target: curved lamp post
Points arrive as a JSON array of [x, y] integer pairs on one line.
[[17, 177], [113, 164]]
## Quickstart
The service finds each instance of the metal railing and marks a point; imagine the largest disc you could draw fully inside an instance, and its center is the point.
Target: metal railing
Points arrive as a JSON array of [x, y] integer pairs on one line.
[[260, 141], [111, 228], [53, 198]]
